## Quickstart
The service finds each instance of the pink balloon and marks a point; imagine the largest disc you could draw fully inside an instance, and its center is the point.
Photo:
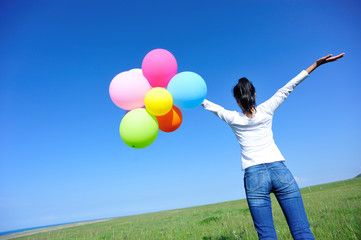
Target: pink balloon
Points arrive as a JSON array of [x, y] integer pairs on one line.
[[158, 67], [128, 89]]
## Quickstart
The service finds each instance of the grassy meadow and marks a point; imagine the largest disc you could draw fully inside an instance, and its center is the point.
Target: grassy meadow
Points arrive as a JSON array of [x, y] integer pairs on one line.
[[333, 209]]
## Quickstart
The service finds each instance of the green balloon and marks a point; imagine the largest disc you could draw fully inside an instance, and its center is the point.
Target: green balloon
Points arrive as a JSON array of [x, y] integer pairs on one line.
[[138, 128]]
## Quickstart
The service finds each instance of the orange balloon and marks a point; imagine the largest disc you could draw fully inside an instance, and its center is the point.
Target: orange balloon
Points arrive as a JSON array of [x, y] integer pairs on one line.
[[171, 120]]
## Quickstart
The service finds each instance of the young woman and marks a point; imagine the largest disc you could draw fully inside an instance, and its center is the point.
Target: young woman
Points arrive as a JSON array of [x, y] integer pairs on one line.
[[265, 171]]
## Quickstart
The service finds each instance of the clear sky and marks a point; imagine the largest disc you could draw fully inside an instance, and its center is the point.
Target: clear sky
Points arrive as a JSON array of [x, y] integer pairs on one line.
[[61, 156]]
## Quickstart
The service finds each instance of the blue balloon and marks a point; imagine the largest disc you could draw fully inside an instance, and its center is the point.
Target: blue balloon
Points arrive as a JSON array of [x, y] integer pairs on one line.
[[188, 90]]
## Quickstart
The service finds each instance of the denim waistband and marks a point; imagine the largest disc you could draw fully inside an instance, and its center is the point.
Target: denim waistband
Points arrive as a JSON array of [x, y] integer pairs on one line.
[[279, 164]]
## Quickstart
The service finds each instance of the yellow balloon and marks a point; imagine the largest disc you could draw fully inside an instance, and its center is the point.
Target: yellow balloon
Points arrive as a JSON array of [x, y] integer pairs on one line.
[[158, 101]]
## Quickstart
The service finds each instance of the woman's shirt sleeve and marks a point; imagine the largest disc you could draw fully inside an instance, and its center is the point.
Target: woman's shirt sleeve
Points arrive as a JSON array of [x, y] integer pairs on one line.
[[276, 100], [225, 115]]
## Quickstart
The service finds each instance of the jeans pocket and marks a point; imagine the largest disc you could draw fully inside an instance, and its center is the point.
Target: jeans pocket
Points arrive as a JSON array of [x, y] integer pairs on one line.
[[252, 181], [284, 175]]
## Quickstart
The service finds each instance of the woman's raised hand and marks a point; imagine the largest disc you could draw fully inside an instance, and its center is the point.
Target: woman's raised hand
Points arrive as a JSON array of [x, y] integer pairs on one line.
[[328, 59], [324, 60]]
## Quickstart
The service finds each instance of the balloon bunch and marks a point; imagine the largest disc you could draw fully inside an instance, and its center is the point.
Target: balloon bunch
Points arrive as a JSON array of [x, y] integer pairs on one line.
[[159, 89]]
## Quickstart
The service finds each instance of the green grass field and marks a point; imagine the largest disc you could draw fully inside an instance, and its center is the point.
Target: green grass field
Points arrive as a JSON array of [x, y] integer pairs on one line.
[[334, 212]]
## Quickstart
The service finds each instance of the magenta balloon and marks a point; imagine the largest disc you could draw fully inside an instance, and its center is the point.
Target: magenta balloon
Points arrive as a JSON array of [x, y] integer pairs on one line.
[[128, 89], [158, 67]]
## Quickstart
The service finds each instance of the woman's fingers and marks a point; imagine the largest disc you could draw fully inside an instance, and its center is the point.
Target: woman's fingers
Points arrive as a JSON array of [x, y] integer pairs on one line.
[[328, 56], [340, 56], [331, 59]]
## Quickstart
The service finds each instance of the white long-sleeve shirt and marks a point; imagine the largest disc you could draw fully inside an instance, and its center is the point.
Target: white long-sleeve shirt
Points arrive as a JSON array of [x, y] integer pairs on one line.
[[255, 135]]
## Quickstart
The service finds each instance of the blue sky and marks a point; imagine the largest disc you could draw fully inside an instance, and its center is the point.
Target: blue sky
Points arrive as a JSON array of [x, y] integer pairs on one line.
[[61, 156]]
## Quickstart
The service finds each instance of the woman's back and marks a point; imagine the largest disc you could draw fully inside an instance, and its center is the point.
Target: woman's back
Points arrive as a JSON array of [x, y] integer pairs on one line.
[[255, 137]]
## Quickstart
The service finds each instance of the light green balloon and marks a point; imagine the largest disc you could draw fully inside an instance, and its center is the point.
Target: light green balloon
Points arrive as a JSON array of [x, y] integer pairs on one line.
[[138, 128]]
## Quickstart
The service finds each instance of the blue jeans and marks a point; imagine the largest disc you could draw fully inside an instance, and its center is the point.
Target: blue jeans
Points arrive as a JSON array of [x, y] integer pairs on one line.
[[259, 182]]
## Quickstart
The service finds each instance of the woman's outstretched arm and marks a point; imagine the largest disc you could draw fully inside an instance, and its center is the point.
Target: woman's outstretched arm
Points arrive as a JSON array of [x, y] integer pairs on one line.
[[323, 60], [276, 100]]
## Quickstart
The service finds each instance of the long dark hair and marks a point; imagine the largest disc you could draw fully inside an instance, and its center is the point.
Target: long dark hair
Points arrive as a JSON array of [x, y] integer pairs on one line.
[[244, 93]]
